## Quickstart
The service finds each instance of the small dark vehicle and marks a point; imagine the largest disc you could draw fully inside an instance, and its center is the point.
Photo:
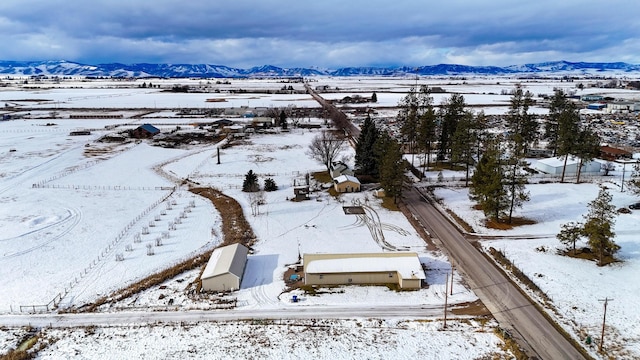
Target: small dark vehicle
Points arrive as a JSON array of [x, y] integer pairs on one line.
[[635, 206]]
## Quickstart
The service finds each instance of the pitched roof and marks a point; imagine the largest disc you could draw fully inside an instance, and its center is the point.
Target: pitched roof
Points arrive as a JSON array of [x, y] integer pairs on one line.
[[408, 266], [149, 128], [226, 259], [612, 150], [344, 178]]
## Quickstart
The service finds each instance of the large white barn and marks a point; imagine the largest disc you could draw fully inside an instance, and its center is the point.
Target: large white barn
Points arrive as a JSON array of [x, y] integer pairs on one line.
[[554, 166], [225, 268]]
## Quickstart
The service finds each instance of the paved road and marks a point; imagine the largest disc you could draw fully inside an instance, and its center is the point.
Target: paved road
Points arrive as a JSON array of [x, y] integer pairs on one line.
[[151, 317], [513, 310]]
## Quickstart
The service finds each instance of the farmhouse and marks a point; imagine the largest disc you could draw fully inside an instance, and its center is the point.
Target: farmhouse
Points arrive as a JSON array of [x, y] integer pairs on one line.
[[346, 183], [397, 268], [554, 166], [225, 268]]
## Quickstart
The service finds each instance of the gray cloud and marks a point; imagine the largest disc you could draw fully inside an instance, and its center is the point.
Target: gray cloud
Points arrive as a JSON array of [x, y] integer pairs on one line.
[[330, 33]]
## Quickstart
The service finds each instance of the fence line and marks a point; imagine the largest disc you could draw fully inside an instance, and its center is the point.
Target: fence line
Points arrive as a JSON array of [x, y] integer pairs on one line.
[[584, 177], [53, 304], [101, 187]]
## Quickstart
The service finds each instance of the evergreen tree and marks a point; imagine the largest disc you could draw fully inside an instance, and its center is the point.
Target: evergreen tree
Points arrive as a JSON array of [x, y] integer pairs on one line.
[[463, 143], [250, 183], [408, 119], [556, 107], [392, 165], [570, 234], [487, 182], [283, 120], [568, 127], [426, 130], [522, 130], [634, 183], [270, 185], [522, 127], [365, 158], [374, 97], [587, 147], [598, 225], [451, 111]]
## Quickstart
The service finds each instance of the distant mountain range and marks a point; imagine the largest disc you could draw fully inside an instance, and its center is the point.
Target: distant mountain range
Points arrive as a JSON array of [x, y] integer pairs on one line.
[[67, 68]]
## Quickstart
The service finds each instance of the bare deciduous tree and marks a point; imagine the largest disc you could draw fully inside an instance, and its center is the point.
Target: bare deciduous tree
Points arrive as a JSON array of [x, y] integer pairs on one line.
[[326, 147]]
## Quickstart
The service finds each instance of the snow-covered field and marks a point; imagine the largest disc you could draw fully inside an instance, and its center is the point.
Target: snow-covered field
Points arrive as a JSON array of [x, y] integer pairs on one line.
[[576, 287], [70, 206]]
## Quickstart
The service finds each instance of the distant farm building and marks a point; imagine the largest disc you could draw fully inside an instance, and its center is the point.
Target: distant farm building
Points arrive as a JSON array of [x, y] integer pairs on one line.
[[592, 98], [145, 131], [397, 268], [596, 106], [346, 183], [555, 165], [80, 133], [623, 107], [610, 153], [225, 268], [301, 193], [96, 116]]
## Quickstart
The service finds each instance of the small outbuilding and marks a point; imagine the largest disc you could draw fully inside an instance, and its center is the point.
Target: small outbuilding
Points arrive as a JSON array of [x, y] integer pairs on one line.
[[225, 268], [338, 168], [145, 131], [399, 268], [346, 183]]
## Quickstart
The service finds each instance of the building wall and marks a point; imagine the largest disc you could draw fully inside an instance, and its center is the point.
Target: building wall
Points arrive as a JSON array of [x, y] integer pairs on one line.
[[362, 278], [224, 282], [352, 278], [347, 186], [410, 283]]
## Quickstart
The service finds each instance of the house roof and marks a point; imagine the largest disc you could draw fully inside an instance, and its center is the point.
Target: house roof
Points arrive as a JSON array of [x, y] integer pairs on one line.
[[408, 266], [226, 259], [149, 128], [612, 150], [344, 178]]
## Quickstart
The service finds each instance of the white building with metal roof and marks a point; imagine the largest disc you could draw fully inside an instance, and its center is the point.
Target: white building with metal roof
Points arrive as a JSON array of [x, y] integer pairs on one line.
[[225, 268], [400, 268]]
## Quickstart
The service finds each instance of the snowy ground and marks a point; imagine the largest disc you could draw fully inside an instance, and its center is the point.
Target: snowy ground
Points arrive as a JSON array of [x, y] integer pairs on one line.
[[576, 287], [346, 339]]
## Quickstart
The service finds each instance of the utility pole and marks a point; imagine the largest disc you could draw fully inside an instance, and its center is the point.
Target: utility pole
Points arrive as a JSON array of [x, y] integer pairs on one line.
[[604, 318], [446, 293], [452, 267], [624, 167]]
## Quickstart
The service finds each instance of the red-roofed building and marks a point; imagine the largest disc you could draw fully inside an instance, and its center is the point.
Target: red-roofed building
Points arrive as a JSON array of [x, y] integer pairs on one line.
[[611, 153]]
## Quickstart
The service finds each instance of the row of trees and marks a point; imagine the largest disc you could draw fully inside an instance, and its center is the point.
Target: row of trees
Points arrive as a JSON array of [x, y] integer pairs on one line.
[[463, 139]]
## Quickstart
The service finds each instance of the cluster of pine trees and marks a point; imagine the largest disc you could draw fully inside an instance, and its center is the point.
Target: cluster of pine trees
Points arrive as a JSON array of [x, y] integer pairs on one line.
[[379, 157], [497, 158]]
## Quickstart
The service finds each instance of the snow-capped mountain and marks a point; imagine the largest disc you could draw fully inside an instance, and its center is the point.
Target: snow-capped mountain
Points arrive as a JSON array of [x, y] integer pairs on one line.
[[67, 68]]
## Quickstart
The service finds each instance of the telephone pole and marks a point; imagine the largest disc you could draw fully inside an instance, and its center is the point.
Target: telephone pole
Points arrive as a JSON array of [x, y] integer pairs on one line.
[[446, 293], [604, 318]]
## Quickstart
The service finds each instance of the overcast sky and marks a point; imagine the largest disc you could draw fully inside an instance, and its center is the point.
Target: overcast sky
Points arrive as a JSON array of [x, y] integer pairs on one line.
[[324, 33]]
